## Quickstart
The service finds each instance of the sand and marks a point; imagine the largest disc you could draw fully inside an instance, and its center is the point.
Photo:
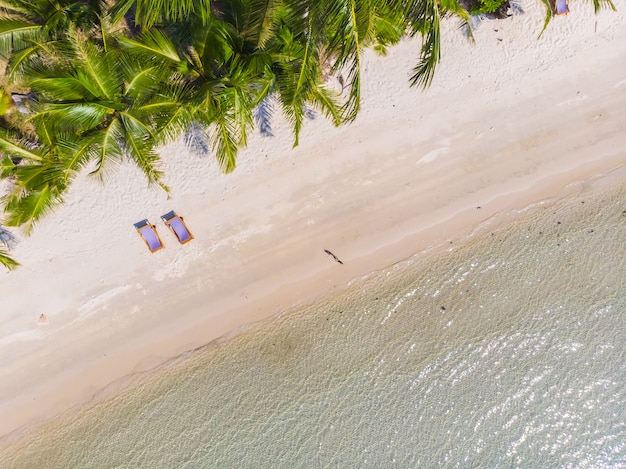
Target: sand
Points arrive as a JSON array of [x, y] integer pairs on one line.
[[509, 122]]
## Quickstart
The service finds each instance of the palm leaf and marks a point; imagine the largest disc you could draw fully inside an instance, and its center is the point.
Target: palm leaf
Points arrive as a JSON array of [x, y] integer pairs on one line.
[[19, 61], [327, 101], [77, 153], [354, 22], [599, 4], [95, 68], [120, 9], [17, 33], [148, 13], [66, 88], [261, 23], [224, 145], [5, 102], [73, 117], [171, 118], [151, 43], [223, 134], [107, 144], [143, 84], [32, 177], [10, 147], [425, 19], [7, 261], [26, 211], [292, 87], [140, 141]]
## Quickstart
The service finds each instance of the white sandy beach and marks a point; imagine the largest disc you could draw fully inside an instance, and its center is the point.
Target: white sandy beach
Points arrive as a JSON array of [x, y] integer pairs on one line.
[[509, 121]]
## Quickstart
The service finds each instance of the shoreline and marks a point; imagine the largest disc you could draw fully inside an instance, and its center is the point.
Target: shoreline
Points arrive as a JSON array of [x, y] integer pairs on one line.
[[154, 362], [392, 184]]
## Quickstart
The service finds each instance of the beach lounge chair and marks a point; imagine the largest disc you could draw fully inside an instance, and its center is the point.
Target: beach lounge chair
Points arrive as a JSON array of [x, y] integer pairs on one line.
[[149, 234], [178, 227], [560, 7]]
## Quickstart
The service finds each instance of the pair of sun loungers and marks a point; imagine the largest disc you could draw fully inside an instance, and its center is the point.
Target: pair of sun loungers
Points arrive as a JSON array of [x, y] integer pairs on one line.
[[176, 225]]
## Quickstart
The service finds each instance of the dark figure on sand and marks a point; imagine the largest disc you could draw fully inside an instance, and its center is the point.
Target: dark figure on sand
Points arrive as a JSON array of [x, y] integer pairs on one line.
[[333, 256]]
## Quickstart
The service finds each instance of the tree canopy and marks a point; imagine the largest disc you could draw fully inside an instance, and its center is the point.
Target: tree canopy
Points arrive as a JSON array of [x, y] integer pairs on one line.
[[100, 81]]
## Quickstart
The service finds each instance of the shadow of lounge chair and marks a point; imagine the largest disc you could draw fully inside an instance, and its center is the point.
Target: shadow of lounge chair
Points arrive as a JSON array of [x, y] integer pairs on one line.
[[560, 7], [150, 236], [178, 227]]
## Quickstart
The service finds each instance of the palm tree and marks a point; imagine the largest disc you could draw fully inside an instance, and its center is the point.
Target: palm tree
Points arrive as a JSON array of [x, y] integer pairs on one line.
[[231, 64], [181, 64], [95, 105]]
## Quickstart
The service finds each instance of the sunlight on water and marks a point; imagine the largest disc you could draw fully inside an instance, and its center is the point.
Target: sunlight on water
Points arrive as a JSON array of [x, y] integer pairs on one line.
[[507, 351]]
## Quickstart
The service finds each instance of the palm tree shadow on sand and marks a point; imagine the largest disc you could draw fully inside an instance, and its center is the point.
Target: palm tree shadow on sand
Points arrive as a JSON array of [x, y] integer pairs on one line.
[[264, 113], [8, 239]]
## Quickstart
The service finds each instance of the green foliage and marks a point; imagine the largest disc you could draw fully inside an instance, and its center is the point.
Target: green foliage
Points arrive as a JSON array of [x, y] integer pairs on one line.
[[7, 261], [487, 6]]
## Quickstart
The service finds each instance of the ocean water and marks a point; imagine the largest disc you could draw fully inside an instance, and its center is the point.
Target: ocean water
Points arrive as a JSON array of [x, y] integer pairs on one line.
[[508, 350]]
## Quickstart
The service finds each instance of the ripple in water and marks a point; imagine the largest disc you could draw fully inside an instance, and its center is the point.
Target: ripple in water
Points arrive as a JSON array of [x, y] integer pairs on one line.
[[509, 351]]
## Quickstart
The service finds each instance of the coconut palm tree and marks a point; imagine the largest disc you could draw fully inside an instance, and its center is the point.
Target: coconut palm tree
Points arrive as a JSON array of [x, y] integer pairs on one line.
[[94, 105], [231, 64]]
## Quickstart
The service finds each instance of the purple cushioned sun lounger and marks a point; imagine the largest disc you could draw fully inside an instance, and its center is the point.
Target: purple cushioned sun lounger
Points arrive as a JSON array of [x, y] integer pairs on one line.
[[149, 234], [178, 227], [561, 7]]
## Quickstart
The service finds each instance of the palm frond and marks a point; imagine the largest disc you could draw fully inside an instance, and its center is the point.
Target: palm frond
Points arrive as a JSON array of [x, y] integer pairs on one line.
[[17, 34], [171, 119], [95, 68], [72, 117], [327, 101], [140, 142], [7, 261], [76, 152], [549, 15], [11, 146], [294, 77], [151, 43], [599, 4], [389, 28], [28, 178], [224, 144], [107, 144], [143, 84], [261, 22], [27, 210], [354, 24], [19, 61], [59, 89], [120, 9], [425, 19], [148, 13], [5, 102]]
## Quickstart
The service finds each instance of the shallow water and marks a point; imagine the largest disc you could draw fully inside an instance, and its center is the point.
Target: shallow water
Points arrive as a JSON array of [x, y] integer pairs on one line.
[[507, 351]]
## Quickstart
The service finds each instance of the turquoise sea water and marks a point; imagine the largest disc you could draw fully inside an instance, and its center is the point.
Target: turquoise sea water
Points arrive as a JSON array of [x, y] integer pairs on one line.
[[506, 351]]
